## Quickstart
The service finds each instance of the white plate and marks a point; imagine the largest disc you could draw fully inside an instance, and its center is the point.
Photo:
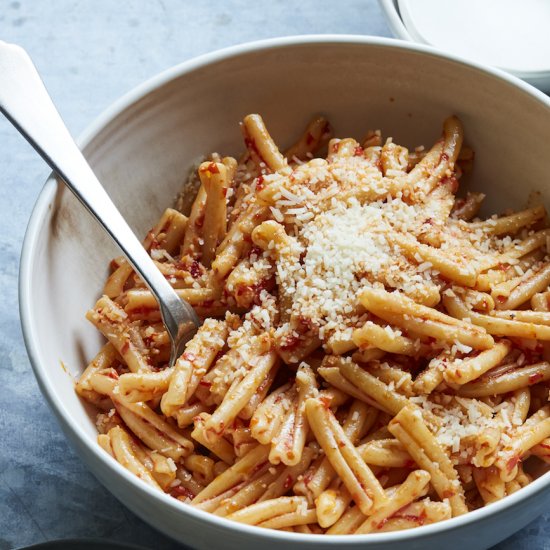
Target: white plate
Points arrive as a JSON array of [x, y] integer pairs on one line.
[[507, 34]]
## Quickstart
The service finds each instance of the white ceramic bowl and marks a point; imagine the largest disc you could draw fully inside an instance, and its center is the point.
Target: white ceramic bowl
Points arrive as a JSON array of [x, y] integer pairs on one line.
[[141, 149]]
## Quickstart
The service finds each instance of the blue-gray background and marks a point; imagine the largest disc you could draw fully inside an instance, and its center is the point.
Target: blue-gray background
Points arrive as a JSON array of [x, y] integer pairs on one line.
[[89, 52]]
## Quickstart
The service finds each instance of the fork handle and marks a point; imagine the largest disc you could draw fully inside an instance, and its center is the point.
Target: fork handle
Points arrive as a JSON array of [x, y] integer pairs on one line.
[[26, 103]]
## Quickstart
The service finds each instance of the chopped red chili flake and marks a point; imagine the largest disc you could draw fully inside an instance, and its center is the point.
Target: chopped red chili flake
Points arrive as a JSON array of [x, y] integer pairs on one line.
[[325, 401], [199, 222], [154, 243], [291, 342], [420, 519], [288, 482], [452, 181], [180, 491], [195, 269], [512, 463], [260, 183], [534, 378]]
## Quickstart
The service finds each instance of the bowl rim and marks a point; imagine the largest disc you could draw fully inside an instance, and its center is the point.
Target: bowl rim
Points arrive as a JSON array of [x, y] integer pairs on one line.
[[75, 432]]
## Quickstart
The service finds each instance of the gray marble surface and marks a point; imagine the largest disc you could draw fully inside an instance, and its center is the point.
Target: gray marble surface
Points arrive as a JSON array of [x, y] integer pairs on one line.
[[89, 53]]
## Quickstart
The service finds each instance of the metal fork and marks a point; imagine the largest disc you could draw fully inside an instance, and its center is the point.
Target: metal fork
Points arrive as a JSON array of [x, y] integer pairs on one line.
[[26, 103]]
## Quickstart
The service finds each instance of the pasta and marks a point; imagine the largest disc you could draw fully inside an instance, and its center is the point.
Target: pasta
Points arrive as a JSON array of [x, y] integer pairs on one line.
[[373, 356]]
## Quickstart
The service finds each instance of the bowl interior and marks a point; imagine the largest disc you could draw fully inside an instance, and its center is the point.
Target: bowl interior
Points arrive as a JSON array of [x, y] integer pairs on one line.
[[143, 149]]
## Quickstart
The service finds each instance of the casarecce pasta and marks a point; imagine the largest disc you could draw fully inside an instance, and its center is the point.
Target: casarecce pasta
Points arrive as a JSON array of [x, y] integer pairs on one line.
[[372, 357]]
